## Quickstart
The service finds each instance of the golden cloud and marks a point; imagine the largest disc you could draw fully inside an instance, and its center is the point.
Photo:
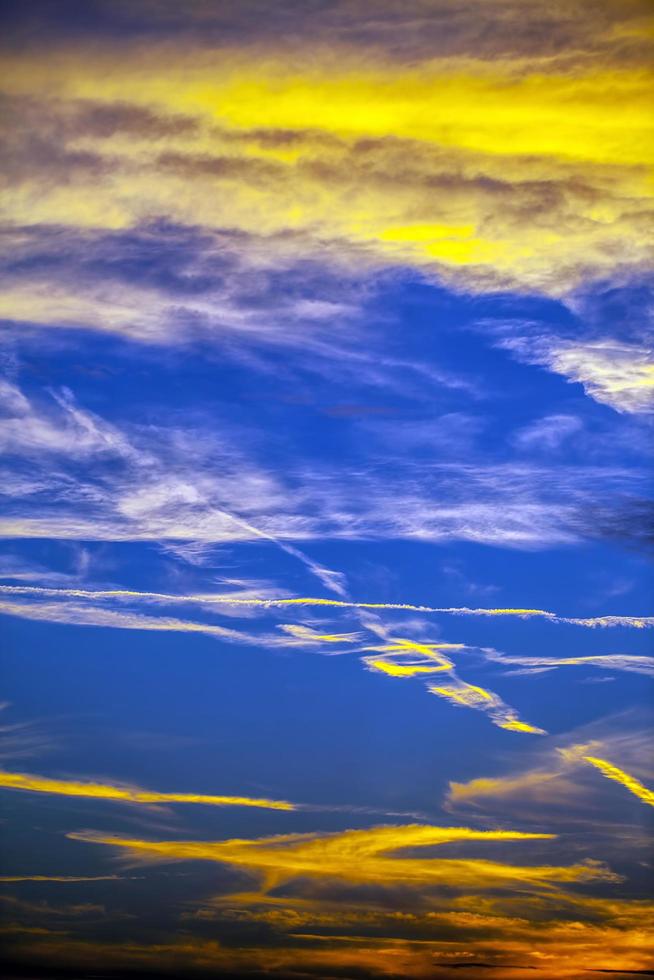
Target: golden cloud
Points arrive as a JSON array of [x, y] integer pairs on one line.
[[504, 172], [362, 856], [126, 794]]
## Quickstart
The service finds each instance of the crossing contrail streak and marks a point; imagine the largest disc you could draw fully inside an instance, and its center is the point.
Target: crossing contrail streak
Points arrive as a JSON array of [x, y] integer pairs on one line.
[[635, 622]]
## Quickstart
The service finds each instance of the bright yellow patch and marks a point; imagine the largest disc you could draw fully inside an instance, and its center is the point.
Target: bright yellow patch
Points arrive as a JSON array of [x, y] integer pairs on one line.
[[102, 791]]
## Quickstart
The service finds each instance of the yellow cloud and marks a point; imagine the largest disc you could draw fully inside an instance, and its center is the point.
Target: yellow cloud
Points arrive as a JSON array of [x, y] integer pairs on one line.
[[473, 696], [458, 692], [515, 725], [466, 694], [103, 791], [466, 144], [499, 786], [362, 856], [402, 670], [554, 784], [432, 660], [636, 622], [619, 776]]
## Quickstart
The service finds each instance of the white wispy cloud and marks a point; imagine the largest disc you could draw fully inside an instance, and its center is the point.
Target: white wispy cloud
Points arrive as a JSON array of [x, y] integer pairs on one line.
[[612, 372], [69, 613], [630, 663], [200, 486], [58, 426], [252, 597], [548, 433]]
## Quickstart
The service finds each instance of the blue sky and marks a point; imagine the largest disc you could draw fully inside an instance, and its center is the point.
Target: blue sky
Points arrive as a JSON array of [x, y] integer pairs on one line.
[[326, 476]]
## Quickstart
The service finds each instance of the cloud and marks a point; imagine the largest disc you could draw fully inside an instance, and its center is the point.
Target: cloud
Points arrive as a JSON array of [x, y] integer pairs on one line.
[[60, 426], [161, 283], [456, 691], [631, 663], [19, 740], [402, 30], [395, 656], [373, 889], [547, 434], [428, 659], [62, 879], [627, 522], [196, 485], [503, 171], [305, 634], [80, 615], [323, 201], [241, 599], [615, 374], [361, 856], [473, 696], [619, 776], [305, 955], [499, 787], [102, 791], [558, 781]]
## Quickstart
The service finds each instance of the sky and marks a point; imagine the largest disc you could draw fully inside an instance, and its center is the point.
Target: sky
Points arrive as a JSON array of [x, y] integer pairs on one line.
[[326, 407]]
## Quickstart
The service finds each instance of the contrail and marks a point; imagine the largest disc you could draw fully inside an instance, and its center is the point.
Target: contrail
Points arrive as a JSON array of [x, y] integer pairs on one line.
[[125, 794], [619, 776], [636, 622]]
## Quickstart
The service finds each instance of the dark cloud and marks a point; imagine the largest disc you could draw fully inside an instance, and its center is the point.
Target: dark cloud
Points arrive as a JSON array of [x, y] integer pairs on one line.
[[178, 263], [177, 260], [32, 145], [400, 28], [191, 166], [106, 119], [37, 139]]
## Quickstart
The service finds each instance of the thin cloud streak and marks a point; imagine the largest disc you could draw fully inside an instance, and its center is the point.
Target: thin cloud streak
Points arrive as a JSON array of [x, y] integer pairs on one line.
[[631, 663], [126, 794], [619, 776], [431, 660], [636, 622], [67, 879]]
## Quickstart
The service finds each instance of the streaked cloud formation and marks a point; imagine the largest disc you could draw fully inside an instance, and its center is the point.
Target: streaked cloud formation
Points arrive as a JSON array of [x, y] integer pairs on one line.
[[404, 139], [396, 657], [559, 777], [637, 622], [432, 660], [326, 360], [630, 782], [360, 856], [124, 794], [203, 135]]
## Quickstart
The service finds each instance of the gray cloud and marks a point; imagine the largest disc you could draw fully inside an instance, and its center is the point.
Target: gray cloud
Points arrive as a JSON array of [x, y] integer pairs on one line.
[[401, 29]]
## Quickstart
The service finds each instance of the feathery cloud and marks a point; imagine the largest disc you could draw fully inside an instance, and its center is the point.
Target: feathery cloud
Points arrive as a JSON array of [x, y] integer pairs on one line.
[[531, 176], [620, 375], [556, 780], [631, 663], [360, 856], [127, 794], [274, 602], [619, 776]]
